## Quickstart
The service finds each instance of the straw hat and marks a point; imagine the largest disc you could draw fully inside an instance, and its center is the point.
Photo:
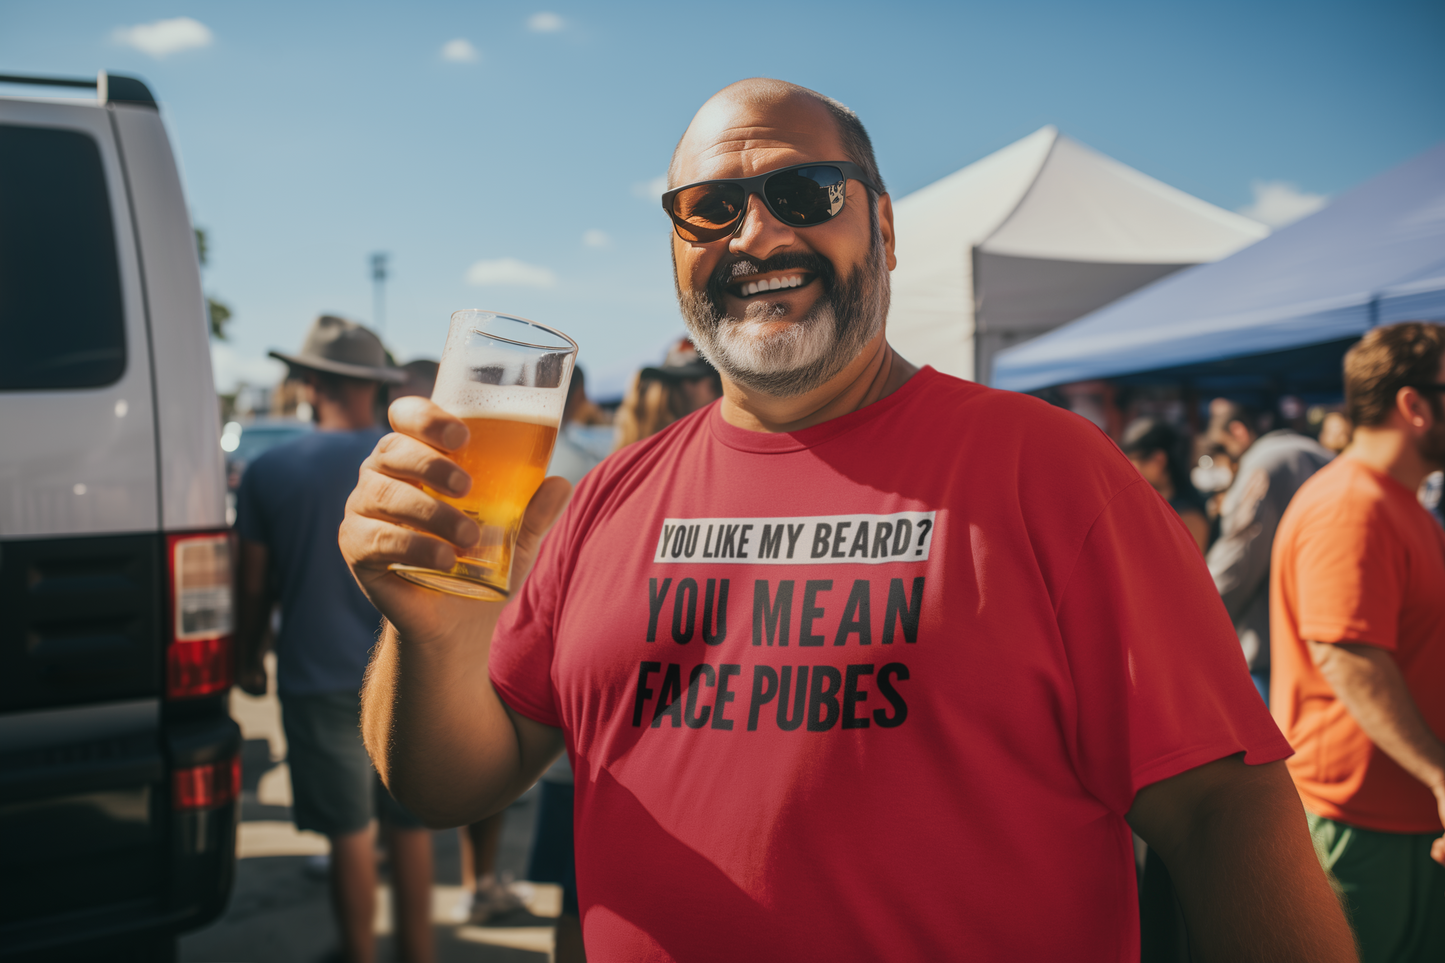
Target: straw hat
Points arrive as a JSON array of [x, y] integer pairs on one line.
[[343, 347]]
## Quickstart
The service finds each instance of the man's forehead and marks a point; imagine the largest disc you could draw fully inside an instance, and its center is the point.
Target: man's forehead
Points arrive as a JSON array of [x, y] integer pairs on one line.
[[732, 138]]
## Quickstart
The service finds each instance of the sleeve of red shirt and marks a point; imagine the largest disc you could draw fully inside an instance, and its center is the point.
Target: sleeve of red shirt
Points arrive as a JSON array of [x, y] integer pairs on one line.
[[1348, 579], [1160, 682]]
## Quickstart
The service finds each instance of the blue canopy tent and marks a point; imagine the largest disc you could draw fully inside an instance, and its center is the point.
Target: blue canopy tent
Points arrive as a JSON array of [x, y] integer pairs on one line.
[[1282, 309]]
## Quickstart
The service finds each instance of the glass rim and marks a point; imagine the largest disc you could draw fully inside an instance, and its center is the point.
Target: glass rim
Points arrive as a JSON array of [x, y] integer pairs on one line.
[[521, 344]]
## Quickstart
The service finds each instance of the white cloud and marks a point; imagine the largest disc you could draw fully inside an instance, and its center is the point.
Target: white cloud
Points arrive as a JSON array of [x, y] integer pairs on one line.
[[460, 51], [545, 22], [231, 369], [1277, 203], [650, 190], [164, 37], [510, 272], [596, 238]]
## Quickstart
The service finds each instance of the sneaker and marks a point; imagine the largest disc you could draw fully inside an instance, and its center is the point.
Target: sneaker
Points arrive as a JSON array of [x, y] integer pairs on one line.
[[497, 903]]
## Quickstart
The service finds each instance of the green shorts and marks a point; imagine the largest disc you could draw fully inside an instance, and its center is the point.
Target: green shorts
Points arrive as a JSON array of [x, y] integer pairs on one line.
[[335, 790], [1393, 892]]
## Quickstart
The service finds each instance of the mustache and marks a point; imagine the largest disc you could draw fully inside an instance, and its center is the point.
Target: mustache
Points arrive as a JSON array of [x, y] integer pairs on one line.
[[727, 272]]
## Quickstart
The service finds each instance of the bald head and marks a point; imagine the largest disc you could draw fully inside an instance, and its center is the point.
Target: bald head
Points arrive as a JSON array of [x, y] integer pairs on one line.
[[735, 115]]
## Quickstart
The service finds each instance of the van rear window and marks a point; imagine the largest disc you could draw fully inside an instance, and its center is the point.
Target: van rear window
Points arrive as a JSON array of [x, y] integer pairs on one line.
[[61, 319]]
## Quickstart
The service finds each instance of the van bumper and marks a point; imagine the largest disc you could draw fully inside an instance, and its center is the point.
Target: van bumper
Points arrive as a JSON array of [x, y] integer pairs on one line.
[[182, 875]]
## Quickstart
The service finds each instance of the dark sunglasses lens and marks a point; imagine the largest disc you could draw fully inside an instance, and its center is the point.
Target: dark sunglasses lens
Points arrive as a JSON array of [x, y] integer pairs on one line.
[[806, 195], [708, 211]]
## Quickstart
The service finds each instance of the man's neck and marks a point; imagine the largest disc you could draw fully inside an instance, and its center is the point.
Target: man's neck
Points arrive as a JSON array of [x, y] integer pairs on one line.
[[876, 373], [331, 416], [1392, 452]]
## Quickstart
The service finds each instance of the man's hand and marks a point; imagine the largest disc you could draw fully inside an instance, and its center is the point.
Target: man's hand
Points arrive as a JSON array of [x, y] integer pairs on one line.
[[1437, 848], [1369, 683], [444, 742], [251, 677], [253, 622], [1239, 852], [389, 519]]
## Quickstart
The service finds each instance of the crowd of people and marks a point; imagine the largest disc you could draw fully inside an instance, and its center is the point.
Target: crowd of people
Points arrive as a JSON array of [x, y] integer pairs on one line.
[[1309, 560], [1054, 670]]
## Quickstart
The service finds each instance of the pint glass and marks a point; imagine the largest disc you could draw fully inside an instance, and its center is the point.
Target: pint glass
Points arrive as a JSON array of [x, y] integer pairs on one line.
[[506, 378]]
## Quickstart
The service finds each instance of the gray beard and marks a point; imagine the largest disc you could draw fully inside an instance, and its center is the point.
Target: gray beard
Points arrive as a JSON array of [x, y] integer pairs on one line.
[[806, 352]]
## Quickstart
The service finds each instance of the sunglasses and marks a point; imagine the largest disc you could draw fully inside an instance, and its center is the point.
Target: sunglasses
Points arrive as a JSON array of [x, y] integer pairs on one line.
[[800, 196]]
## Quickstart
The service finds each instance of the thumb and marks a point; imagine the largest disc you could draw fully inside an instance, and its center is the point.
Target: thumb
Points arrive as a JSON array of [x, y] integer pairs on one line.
[[542, 512]]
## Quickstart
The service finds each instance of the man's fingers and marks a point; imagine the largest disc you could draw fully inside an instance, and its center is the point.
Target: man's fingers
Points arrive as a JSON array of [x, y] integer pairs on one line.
[[382, 498], [1437, 850], [369, 543], [401, 456], [542, 512], [420, 418], [544, 508]]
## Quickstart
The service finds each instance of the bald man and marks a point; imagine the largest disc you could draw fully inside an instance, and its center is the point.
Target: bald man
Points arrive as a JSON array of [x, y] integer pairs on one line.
[[847, 665]]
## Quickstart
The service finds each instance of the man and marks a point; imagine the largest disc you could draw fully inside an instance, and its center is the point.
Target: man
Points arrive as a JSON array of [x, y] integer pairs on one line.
[[290, 502], [1271, 468], [846, 666], [1358, 593]]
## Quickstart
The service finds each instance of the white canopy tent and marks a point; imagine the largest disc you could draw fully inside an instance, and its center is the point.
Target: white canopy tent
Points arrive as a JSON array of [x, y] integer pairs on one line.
[[1031, 237]]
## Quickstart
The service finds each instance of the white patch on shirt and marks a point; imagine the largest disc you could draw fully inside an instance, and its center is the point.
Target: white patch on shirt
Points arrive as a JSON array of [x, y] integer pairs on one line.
[[810, 540]]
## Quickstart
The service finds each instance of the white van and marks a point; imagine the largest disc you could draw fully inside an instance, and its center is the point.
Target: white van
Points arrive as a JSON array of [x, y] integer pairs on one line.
[[119, 764]]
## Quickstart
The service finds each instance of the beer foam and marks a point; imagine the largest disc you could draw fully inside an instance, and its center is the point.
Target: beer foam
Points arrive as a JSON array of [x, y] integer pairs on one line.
[[460, 396]]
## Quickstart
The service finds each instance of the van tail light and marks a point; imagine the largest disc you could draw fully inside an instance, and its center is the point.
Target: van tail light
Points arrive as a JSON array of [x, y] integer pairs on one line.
[[199, 660], [208, 786]]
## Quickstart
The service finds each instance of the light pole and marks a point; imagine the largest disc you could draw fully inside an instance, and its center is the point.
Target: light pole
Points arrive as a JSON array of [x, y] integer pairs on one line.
[[378, 291]]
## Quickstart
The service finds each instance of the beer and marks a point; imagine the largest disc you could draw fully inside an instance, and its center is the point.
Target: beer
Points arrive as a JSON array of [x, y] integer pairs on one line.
[[506, 378], [506, 458]]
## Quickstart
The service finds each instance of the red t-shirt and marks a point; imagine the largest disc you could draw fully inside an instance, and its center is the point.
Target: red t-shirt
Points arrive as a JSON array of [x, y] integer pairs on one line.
[[879, 689], [1358, 560]]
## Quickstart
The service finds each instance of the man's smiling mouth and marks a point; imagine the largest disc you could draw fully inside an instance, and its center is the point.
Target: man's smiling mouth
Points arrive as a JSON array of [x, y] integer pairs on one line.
[[787, 280]]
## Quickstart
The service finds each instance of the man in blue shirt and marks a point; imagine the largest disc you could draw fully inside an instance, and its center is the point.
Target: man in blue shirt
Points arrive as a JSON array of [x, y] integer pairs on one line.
[[290, 504]]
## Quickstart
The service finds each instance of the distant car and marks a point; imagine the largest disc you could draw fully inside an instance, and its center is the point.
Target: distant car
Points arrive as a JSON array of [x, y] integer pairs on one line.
[[242, 443], [119, 761]]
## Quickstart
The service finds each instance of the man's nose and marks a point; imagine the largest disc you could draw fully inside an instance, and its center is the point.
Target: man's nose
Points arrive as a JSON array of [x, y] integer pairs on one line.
[[760, 234]]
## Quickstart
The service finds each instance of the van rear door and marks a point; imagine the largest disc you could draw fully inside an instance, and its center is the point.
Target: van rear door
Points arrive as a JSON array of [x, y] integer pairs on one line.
[[85, 820]]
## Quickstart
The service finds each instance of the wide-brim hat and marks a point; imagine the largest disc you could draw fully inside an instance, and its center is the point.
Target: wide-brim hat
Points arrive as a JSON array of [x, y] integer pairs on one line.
[[343, 347]]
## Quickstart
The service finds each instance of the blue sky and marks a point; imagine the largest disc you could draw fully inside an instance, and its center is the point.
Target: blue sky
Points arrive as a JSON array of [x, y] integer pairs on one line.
[[312, 134]]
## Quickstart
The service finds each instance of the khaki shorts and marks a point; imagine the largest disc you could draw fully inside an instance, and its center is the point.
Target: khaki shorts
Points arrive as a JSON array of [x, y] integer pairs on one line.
[[334, 788]]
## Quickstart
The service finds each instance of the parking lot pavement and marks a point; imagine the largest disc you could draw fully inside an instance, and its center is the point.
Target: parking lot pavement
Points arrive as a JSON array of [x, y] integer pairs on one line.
[[280, 911]]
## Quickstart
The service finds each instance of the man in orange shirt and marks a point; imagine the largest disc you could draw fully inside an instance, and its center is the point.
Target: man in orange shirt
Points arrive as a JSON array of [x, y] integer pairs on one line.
[[1357, 601]]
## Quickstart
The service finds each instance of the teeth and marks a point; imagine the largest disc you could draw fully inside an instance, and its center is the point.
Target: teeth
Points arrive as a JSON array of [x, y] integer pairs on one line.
[[754, 287]]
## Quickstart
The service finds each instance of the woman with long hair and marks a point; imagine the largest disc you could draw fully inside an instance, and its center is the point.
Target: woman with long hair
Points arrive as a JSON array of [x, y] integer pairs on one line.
[[1157, 450], [658, 396]]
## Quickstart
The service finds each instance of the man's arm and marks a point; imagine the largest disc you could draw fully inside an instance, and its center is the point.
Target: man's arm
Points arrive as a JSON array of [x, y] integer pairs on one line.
[[1239, 560], [445, 744], [253, 617], [1238, 850], [1367, 680]]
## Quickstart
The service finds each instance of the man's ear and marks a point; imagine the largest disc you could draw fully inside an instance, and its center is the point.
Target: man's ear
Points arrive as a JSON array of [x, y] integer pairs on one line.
[[885, 225], [1415, 408]]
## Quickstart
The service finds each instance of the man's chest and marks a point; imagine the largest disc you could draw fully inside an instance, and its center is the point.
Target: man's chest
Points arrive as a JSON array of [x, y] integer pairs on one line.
[[711, 616]]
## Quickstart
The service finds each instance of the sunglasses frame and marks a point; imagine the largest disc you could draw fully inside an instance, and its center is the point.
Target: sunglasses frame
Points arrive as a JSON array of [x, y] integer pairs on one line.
[[754, 185]]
